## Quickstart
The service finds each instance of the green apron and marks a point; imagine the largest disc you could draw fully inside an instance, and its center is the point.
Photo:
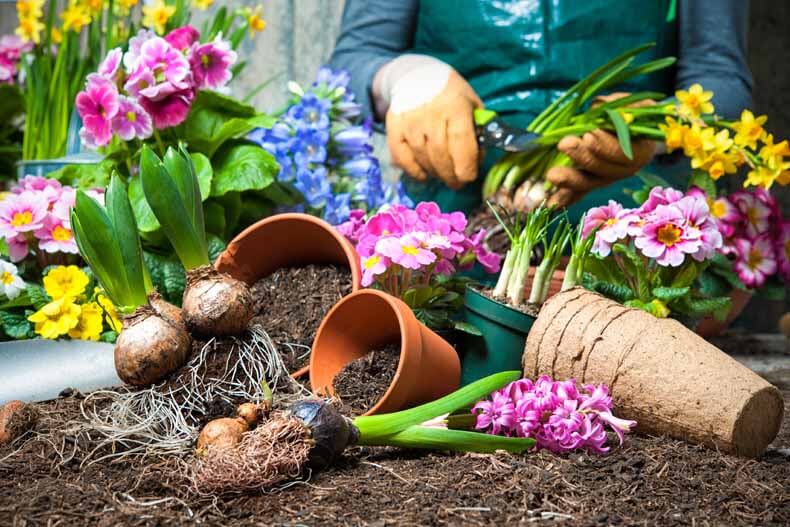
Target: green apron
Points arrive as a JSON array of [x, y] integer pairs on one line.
[[520, 55]]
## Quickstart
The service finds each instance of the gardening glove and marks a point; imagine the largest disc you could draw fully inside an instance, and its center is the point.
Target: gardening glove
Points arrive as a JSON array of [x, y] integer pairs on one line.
[[430, 129], [597, 159]]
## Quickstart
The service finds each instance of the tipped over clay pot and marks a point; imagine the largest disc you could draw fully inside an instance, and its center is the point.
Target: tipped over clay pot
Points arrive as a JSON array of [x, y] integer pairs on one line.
[[666, 377], [286, 240], [369, 319]]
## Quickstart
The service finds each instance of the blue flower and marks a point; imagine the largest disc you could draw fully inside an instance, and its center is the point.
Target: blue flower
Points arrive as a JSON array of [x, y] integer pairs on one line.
[[310, 113], [348, 109], [338, 208], [332, 79], [311, 144], [360, 166], [314, 186], [354, 140], [287, 172]]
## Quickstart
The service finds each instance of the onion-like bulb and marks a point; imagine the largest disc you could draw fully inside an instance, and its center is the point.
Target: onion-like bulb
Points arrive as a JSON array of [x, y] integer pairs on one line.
[[216, 304]]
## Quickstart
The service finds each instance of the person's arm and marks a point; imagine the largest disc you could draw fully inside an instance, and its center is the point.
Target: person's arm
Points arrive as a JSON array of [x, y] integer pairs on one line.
[[712, 52], [372, 33]]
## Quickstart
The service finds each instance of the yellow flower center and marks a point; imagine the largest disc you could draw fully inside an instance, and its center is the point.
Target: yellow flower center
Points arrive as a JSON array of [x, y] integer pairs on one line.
[[131, 116], [610, 222], [669, 235], [7, 278], [755, 258], [411, 250], [22, 218], [718, 209], [61, 233], [372, 261], [205, 60], [752, 216]]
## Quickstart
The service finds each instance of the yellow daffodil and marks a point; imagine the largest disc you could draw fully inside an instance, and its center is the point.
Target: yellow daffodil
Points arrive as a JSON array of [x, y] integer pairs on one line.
[[717, 164], [65, 282], [156, 15], [784, 179], [255, 20], [694, 102], [57, 36], [692, 141], [713, 141], [674, 134], [94, 7], [761, 176], [56, 319], [75, 17], [90, 323], [749, 129], [111, 314], [29, 29], [29, 8], [202, 4], [773, 154], [128, 4]]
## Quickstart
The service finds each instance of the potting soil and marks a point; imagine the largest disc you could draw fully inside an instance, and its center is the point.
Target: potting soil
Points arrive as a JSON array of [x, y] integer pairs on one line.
[[364, 381], [291, 303]]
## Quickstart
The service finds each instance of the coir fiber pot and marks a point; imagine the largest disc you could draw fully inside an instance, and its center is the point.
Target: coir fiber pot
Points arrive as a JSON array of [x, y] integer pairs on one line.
[[504, 330], [287, 240], [369, 319], [661, 374]]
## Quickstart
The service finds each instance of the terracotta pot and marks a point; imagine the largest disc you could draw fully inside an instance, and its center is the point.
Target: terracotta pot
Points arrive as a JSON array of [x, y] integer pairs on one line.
[[286, 240], [368, 319], [710, 327]]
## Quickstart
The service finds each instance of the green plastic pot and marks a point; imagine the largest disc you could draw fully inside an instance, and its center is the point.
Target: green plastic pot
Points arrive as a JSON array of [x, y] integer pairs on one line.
[[500, 347]]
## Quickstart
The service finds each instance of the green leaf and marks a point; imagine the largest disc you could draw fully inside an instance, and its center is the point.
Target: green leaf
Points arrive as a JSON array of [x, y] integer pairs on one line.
[[653, 180], [109, 336], [215, 218], [242, 166], [37, 295], [16, 326], [703, 180], [83, 176], [467, 328], [687, 275], [617, 292], [772, 291], [215, 247], [623, 134], [698, 307], [204, 172], [146, 220], [125, 229], [167, 275], [655, 307], [670, 293], [456, 440]]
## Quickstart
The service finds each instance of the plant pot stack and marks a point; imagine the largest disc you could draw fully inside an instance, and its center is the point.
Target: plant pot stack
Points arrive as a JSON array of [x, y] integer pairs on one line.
[[667, 378]]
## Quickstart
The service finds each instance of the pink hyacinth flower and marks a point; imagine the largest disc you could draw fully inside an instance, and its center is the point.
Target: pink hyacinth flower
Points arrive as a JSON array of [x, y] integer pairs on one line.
[[97, 106], [132, 121], [755, 261], [405, 251], [667, 238], [183, 37], [21, 213], [211, 63], [169, 111], [56, 236], [497, 415]]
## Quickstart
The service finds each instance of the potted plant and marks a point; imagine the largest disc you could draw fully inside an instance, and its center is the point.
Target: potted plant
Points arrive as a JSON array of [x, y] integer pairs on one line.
[[505, 314]]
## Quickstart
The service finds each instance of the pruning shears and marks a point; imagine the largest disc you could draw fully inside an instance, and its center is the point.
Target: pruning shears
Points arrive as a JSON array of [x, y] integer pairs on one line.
[[493, 132]]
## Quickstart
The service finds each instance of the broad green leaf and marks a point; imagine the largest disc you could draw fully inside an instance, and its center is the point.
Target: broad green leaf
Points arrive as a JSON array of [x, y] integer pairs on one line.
[[467, 328], [215, 247], [229, 106], [167, 275], [655, 307], [456, 440], [282, 194], [109, 337], [83, 176], [242, 166], [711, 284], [718, 307], [215, 218], [125, 229], [617, 292], [146, 220], [16, 325], [163, 196], [703, 180], [686, 276], [204, 172], [623, 134], [670, 293], [37, 295]]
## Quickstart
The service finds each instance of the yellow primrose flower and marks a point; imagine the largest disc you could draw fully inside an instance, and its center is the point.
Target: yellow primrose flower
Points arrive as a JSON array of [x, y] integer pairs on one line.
[[29, 8], [56, 318], [29, 29], [75, 17], [694, 102], [65, 282], [674, 134], [749, 129], [202, 4], [90, 323], [156, 15], [255, 21], [111, 314]]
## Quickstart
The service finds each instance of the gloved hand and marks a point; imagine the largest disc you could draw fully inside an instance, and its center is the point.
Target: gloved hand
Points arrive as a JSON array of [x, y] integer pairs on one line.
[[598, 161], [430, 129]]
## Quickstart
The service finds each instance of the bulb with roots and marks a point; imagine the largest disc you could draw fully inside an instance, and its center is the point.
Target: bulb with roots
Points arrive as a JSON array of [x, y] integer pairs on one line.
[[216, 304], [530, 195]]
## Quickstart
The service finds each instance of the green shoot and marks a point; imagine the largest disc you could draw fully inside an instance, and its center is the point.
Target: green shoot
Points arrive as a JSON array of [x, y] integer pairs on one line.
[[108, 241], [551, 260], [456, 440], [172, 191], [534, 231], [580, 249]]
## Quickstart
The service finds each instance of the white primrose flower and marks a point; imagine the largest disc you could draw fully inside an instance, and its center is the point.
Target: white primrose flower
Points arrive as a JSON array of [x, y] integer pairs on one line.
[[10, 280]]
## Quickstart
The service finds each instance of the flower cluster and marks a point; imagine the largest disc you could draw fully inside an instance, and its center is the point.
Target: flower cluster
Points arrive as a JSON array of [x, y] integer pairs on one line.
[[559, 415], [325, 152], [755, 233], [151, 85], [720, 151], [11, 49], [400, 247], [35, 217], [74, 308], [667, 228], [30, 14]]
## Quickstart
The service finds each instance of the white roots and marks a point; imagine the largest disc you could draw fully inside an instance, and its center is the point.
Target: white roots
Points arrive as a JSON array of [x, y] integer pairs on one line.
[[165, 418]]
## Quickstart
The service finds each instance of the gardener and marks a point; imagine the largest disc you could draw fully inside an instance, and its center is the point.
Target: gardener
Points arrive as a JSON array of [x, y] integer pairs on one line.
[[423, 66]]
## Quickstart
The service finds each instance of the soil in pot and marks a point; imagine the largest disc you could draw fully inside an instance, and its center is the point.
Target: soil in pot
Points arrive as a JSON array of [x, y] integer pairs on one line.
[[364, 381], [291, 303], [528, 308]]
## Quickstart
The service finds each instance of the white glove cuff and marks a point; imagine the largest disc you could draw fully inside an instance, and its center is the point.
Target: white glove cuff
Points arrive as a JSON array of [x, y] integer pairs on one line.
[[407, 82]]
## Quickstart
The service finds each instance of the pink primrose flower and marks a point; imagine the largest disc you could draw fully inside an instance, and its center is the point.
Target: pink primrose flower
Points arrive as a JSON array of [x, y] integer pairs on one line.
[[97, 106]]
